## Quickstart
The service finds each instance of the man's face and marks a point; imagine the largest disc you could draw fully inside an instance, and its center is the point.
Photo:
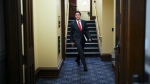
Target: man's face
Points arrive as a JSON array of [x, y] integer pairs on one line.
[[77, 16]]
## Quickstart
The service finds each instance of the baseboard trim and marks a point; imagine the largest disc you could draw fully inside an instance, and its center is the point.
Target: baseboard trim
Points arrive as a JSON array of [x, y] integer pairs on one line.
[[48, 72], [105, 57]]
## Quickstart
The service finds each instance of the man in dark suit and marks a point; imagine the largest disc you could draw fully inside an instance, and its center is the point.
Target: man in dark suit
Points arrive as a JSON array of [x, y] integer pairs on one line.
[[78, 30]]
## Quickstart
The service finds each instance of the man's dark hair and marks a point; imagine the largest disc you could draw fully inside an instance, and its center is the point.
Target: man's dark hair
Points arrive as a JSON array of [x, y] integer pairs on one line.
[[78, 12]]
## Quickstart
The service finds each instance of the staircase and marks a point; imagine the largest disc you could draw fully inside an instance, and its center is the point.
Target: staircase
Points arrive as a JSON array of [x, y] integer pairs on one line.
[[91, 48]]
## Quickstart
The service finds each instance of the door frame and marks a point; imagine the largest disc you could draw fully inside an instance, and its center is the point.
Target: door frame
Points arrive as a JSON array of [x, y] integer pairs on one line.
[[132, 40], [28, 41], [13, 21], [63, 29], [72, 9], [91, 9], [12, 15]]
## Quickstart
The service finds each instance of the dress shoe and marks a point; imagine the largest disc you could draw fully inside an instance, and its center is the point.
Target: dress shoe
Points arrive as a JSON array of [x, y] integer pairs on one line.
[[78, 62]]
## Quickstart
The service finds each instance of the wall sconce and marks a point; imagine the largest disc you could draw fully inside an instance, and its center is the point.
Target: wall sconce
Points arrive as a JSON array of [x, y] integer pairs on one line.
[[84, 2]]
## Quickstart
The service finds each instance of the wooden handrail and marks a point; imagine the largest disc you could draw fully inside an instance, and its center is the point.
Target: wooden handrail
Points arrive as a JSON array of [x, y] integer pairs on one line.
[[99, 36], [66, 24], [97, 21]]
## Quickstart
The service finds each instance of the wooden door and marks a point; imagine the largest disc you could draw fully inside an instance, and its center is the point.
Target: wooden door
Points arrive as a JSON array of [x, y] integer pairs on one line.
[[72, 9], [91, 10], [132, 41], [63, 28], [28, 41], [12, 16]]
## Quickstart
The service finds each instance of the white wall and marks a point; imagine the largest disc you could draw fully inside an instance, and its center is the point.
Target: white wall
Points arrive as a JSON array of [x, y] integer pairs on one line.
[[46, 32], [99, 6], [114, 26], [46, 16], [84, 15], [105, 11], [114, 32], [108, 16], [93, 8], [35, 33], [66, 11], [84, 9], [59, 30]]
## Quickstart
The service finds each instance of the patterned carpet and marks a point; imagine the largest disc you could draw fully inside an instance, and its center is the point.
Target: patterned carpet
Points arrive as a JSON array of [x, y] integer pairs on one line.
[[98, 73]]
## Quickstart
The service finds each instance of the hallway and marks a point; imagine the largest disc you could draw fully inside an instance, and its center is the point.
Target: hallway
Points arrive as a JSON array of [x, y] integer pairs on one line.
[[98, 73]]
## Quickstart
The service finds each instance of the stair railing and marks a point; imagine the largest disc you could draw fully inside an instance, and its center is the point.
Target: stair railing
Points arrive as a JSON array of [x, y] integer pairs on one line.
[[99, 36], [66, 24]]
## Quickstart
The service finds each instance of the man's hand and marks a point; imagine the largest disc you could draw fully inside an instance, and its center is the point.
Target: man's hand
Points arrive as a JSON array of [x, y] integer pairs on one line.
[[72, 44], [90, 40]]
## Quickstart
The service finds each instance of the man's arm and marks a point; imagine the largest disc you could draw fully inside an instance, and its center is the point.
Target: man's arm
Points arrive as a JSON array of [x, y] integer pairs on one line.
[[87, 33]]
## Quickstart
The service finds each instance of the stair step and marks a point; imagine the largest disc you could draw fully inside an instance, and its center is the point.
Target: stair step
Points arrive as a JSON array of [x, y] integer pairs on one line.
[[92, 35], [86, 49], [86, 54], [93, 40], [91, 32], [90, 28], [87, 44], [90, 21]]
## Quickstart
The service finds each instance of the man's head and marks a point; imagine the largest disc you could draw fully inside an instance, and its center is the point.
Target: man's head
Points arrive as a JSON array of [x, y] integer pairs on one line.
[[77, 15]]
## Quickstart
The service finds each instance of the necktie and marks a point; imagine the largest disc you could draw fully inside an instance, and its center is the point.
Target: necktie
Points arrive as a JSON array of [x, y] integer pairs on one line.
[[79, 25]]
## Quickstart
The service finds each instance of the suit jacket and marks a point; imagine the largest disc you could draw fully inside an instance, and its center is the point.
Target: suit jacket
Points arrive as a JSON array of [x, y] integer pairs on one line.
[[76, 35]]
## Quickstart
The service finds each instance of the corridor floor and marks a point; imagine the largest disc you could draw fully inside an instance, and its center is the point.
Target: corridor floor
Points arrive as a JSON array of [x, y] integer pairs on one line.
[[98, 73]]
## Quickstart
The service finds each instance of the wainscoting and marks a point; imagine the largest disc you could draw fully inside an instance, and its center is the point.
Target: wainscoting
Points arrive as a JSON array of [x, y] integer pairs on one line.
[[48, 72], [106, 57]]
